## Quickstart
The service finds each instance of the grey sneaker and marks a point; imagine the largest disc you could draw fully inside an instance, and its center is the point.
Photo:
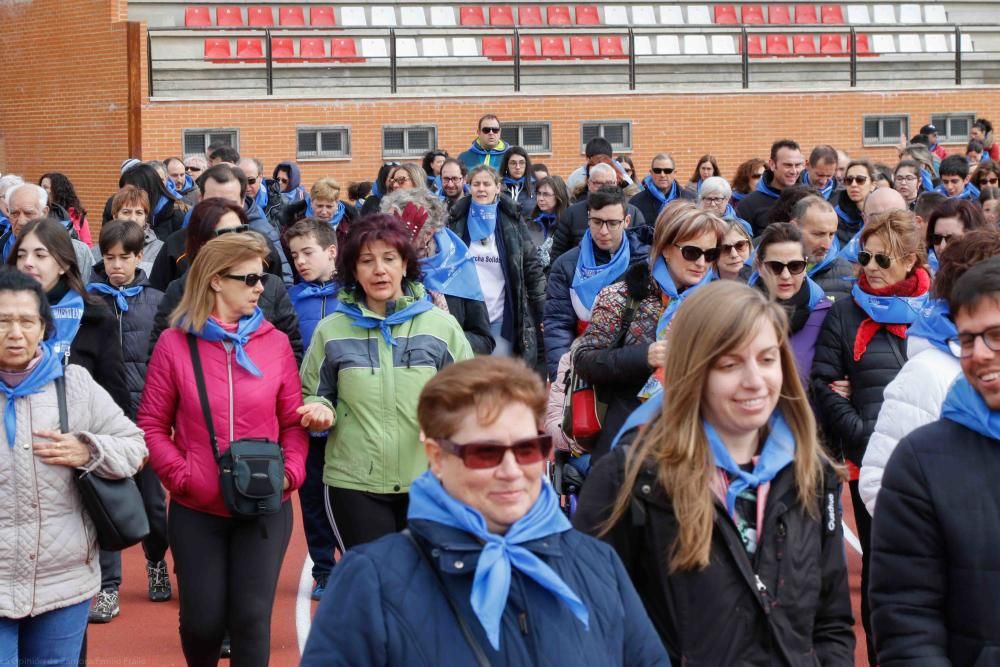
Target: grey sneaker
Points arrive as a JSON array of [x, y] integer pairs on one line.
[[105, 607], [158, 580]]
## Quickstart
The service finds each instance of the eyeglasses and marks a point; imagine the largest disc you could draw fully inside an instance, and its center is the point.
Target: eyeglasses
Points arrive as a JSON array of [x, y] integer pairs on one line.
[[451, 179], [250, 279], [597, 223], [938, 239], [851, 180], [239, 229], [192, 169], [517, 163], [989, 181], [490, 454], [739, 246], [760, 175], [693, 253], [27, 324], [401, 180], [490, 130], [883, 261], [714, 200], [795, 267], [252, 181], [905, 178], [283, 181], [662, 170], [964, 344]]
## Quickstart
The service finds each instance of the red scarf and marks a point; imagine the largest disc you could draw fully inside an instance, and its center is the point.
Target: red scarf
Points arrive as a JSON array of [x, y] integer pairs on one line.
[[915, 284]]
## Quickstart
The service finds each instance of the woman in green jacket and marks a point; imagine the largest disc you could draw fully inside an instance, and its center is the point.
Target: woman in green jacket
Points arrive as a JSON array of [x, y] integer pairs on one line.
[[364, 370]]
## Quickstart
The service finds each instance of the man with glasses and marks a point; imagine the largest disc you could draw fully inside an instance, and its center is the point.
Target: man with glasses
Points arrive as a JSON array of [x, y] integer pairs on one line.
[[935, 561], [258, 188], [453, 186], [488, 148], [661, 188], [180, 182], [783, 171], [606, 252], [818, 222]]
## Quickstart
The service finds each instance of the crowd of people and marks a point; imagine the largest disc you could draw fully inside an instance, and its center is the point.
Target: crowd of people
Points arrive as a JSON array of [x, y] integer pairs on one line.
[[708, 361]]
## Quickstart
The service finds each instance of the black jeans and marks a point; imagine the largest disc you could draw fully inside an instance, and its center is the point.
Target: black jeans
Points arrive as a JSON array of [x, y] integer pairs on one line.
[[227, 574], [863, 520], [154, 499], [364, 517], [319, 533]]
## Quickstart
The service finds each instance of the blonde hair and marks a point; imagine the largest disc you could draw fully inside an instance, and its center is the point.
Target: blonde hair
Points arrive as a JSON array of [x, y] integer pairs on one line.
[[325, 188], [675, 441], [899, 232], [682, 221], [215, 258]]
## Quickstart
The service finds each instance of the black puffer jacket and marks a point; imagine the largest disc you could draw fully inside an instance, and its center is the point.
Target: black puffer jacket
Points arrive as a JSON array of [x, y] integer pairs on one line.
[[573, 225], [790, 606], [522, 271], [171, 261], [474, 319], [837, 279], [650, 206], [134, 328], [848, 423]]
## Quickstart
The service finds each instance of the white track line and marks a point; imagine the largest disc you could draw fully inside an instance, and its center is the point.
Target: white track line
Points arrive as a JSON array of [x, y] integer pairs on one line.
[[851, 538], [303, 604]]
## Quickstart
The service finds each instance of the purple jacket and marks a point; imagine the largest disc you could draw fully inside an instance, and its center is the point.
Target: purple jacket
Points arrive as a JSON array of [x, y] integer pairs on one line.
[[803, 341]]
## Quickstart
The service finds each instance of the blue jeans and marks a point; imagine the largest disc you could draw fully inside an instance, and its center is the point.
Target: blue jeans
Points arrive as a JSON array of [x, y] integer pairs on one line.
[[52, 638]]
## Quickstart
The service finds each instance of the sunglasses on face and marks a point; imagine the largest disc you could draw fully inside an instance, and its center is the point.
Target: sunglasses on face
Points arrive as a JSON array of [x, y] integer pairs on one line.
[[402, 180], [250, 279], [192, 169], [760, 175], [693, 253], [851, 180], [739, 246], [938, 239], [490, 454], [490, 130], [989, 181], [251, 181], [662, 170], [283, 181], [883, 261], [239, 229], [795, 267]]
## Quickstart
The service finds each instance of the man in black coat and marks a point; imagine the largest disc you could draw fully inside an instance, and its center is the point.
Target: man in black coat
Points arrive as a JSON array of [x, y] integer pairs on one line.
[[783, 171], [661, 188], [818, 222], [935, 579]]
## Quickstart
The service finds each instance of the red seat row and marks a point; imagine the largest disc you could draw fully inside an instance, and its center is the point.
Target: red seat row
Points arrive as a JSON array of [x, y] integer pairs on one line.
[[530, 15], [805, 45], [778, 15], [554, 47], [263, 17], [311, 49]]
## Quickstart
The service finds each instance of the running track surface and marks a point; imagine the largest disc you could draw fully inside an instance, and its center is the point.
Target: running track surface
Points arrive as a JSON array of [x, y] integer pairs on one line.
[[145, 634]]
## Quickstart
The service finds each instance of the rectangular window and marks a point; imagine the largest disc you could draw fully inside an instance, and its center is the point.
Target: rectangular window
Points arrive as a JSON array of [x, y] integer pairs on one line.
[[411, 141], [196, 142], [617, 132], [532, 137], [953, 128], [885, 130], [313, 143]]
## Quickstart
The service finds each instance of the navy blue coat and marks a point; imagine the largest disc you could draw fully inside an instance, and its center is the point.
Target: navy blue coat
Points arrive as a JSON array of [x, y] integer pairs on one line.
[[310, 310], [383, 606], [560, 316]]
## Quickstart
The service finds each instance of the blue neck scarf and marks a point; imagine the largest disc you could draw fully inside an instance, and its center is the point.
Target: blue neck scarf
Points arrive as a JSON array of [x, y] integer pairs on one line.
[[160, 205], [545, 221], [926, 180], [121, 294], [489, 153], [68, 314], [970, 192], [964, 405], [661, 274], [845, 217], [827, 189], [312, 290], [664, 199], [434, 184], [851, 250], [933, 325], [738, 196], [47, 370], [261, 198], [777, 454], [213, 332], [589, 278], [641, 416], [889, 309], [337, 216], [763, 187], [451, 271], [491, 584], [828, 259], [482, 220], [383, 324], [510, 181], [9, 245], [933, 261]]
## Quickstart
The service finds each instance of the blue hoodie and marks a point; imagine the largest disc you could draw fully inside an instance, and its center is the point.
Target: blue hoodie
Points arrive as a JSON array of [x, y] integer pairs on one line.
[[477, 155], [970, 193], [294, 191]]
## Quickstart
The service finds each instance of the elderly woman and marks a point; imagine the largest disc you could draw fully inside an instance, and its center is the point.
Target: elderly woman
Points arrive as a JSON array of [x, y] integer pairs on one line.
[[366, 365], [131, 203], [227, 567], [323, 202], [447, 269], [50, 566], [493, 572]]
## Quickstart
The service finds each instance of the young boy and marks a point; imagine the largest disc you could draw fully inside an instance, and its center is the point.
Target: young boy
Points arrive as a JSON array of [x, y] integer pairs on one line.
[[954, 172], [123, 285], [312, 244]]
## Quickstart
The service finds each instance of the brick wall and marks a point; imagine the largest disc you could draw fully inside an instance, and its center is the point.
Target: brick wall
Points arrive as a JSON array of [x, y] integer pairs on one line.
[[64, 100]]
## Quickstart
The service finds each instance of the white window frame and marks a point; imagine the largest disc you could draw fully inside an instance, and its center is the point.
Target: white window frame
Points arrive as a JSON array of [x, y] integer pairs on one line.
[[883, 140], [207, 137], [601, 125], [944, 135], [519, 126], [407, 152], [321, 154]]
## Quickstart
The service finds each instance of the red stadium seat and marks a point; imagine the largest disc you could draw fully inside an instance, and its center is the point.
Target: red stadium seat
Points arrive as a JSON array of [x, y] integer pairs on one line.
[[805, 14], [831, 45], [250, 50], [529, 15], [291, 16], [610, 46], [322, 17], [197, 17], [344, 49], [777, 45], [832, 14], [501, 15], [778, 15], [581, 47], [472, 16], [752, 14], [261, 17], [864, 46], [228, 16], [218, 49], [557, 15], [282, 48], [725, 15], [496, 48], [587, 15], [528, 48], [804, 45], [312, 48], [553, 47], [754, 47]]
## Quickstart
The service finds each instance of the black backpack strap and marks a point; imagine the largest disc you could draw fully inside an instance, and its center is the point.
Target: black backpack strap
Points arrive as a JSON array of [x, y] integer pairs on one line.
[[203, 393], [628, 315], [61, 400]]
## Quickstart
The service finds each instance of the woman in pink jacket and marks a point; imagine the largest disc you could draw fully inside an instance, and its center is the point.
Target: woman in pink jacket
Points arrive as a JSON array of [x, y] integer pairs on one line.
[[227, 568]]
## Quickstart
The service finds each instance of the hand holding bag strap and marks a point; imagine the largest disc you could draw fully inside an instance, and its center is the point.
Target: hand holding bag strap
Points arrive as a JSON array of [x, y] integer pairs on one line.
[[199, 378], [477, 650]]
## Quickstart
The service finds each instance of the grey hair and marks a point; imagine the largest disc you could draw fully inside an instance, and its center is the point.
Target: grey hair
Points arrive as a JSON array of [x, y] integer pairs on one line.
[[437, 214], [662, 156], [9, 181], [196, 161], [41, 195], [715, 185], [257, 163], [801, 208], [603, 168]]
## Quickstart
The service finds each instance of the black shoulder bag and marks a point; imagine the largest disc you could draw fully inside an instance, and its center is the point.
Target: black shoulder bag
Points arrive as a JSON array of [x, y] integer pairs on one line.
[[252, 471], [115, 505]]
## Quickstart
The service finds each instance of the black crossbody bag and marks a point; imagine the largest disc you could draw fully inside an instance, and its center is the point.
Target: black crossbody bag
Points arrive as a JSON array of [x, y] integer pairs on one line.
[[252, 471]]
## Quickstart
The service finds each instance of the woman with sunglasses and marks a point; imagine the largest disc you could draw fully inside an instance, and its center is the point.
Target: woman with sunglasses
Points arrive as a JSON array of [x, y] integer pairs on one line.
[[551, 201], [746, 177], [734, 252], [723, 505], [227, 568], [906, 181], [987, 174], [493, 572], [781, 273], [685, 248], [863, 342], [949, 222], [858, 183]]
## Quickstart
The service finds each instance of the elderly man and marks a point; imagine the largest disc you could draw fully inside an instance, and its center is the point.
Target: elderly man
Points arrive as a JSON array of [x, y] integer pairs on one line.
[[27, 201], [661, 188], [258, 187], [6, 183], [574, 222]]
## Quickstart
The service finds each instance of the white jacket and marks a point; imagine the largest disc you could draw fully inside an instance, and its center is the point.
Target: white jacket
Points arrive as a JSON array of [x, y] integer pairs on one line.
[[912, 399], [48, 547]]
